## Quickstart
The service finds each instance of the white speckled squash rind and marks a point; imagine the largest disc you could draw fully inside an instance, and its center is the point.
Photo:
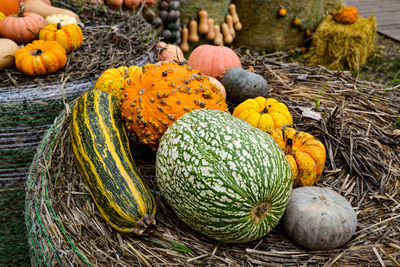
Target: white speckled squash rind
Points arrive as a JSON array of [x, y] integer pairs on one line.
[[223, 177], [319, 218]]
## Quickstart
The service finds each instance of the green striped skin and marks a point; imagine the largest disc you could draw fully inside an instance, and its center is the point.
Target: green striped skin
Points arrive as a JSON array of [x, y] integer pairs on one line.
[[223, 177], [102, 155]]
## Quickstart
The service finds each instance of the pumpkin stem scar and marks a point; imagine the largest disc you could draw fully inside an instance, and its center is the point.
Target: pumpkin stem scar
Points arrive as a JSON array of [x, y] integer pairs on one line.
[[259, 212], [264, 111], [36, 52]]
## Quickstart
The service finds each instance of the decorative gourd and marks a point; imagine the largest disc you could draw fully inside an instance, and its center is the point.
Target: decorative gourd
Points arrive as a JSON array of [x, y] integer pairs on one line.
[[44, 10], [22, 27], [69, 36], [241, 84], [219, 85], [40, 57], [226, 33], [218, 40], [193, 36], [162, 94], [305, 154], [169, 52], [235, 18], [346, 15], [114, 4], [203, 25], [211, 33], [319, 218], [7, 50], [266, 114], [115, 80], [102, 155], [62, 19], [213, 60], [2, 16], [185, 41], [223, 177], [9, 7], [229, 21]]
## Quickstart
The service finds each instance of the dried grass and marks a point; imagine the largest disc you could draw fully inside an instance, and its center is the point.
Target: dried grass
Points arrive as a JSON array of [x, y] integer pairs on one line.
[[363, 165]]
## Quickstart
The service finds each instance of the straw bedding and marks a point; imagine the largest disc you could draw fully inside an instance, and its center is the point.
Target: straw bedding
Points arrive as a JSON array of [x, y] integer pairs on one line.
[[358, 128], [28, 106]]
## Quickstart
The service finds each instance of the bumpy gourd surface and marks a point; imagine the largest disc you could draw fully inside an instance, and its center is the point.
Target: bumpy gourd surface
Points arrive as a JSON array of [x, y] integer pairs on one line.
[[223, 177], [161, 94]]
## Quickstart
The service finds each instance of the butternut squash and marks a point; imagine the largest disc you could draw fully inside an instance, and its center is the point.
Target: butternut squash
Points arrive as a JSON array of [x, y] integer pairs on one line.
[[211, 33], [7, 50], [184, 43], [229, 21], [218, 40], [193, 36], [43, 9], [238, 26], [203, 25], [227, 35], [232, 11]]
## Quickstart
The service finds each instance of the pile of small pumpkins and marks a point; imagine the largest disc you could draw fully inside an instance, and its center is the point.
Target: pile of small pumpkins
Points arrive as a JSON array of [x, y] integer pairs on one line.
[[207, 167], [45, 34]]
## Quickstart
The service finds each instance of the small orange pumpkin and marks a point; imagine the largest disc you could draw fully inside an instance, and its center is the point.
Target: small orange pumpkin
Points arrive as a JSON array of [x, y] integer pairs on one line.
[[305, 154], [9, 7], [22, 27], [114, 4], [40, 57], [169, 52], [213, 60], [115, 80], [346, 15], [69, 36]]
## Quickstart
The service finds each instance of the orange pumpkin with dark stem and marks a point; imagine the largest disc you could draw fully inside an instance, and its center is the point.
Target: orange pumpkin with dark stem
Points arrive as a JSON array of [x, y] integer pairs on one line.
[[213, 60], [305, 154], [40, 57], [9, 7], [69, 36], [346, 15], [22, 27], [162, 94]]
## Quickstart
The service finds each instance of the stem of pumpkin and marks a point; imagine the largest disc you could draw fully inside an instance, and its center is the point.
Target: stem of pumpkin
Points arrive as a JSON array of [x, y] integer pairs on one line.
[[259, 212], [36, 52], [289, 146], [59, 26], [265, 110], [21, 9]]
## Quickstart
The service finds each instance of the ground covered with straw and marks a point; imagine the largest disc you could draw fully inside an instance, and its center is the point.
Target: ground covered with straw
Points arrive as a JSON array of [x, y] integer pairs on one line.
[[356, 120]]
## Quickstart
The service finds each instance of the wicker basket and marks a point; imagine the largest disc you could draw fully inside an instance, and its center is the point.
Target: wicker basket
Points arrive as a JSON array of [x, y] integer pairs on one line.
[[65, 228]]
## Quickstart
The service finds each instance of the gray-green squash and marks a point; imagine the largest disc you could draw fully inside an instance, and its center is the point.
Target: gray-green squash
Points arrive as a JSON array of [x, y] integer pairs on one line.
[[223, 177], [319, 218]]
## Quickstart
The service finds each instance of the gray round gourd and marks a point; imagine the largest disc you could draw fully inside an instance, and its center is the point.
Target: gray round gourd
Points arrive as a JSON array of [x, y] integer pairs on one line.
[[319, 218], [241, 85]]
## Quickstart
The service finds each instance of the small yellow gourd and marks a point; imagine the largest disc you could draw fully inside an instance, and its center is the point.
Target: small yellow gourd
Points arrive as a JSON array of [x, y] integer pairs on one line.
[[184, 43], [203, 25], [211, 33], [193, 36]]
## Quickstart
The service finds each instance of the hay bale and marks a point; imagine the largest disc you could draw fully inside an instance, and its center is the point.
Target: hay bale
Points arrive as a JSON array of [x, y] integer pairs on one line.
[[340, 46], [363, 165], [28, 106]]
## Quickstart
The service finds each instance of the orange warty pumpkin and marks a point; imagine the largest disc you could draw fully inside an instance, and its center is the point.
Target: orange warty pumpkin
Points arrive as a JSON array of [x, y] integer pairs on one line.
[[115, 80], [305, 154], [69, 36], [9, 7], [154, 100], [40, 57], [22, 27], [346, 15], [213, 60]]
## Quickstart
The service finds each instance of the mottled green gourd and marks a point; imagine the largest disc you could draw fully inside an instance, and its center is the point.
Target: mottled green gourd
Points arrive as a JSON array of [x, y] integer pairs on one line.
[[223, 177]]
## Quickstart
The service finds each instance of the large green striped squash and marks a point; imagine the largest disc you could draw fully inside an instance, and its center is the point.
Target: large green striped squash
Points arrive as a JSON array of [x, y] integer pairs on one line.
[[102, 155], [223, 177]]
